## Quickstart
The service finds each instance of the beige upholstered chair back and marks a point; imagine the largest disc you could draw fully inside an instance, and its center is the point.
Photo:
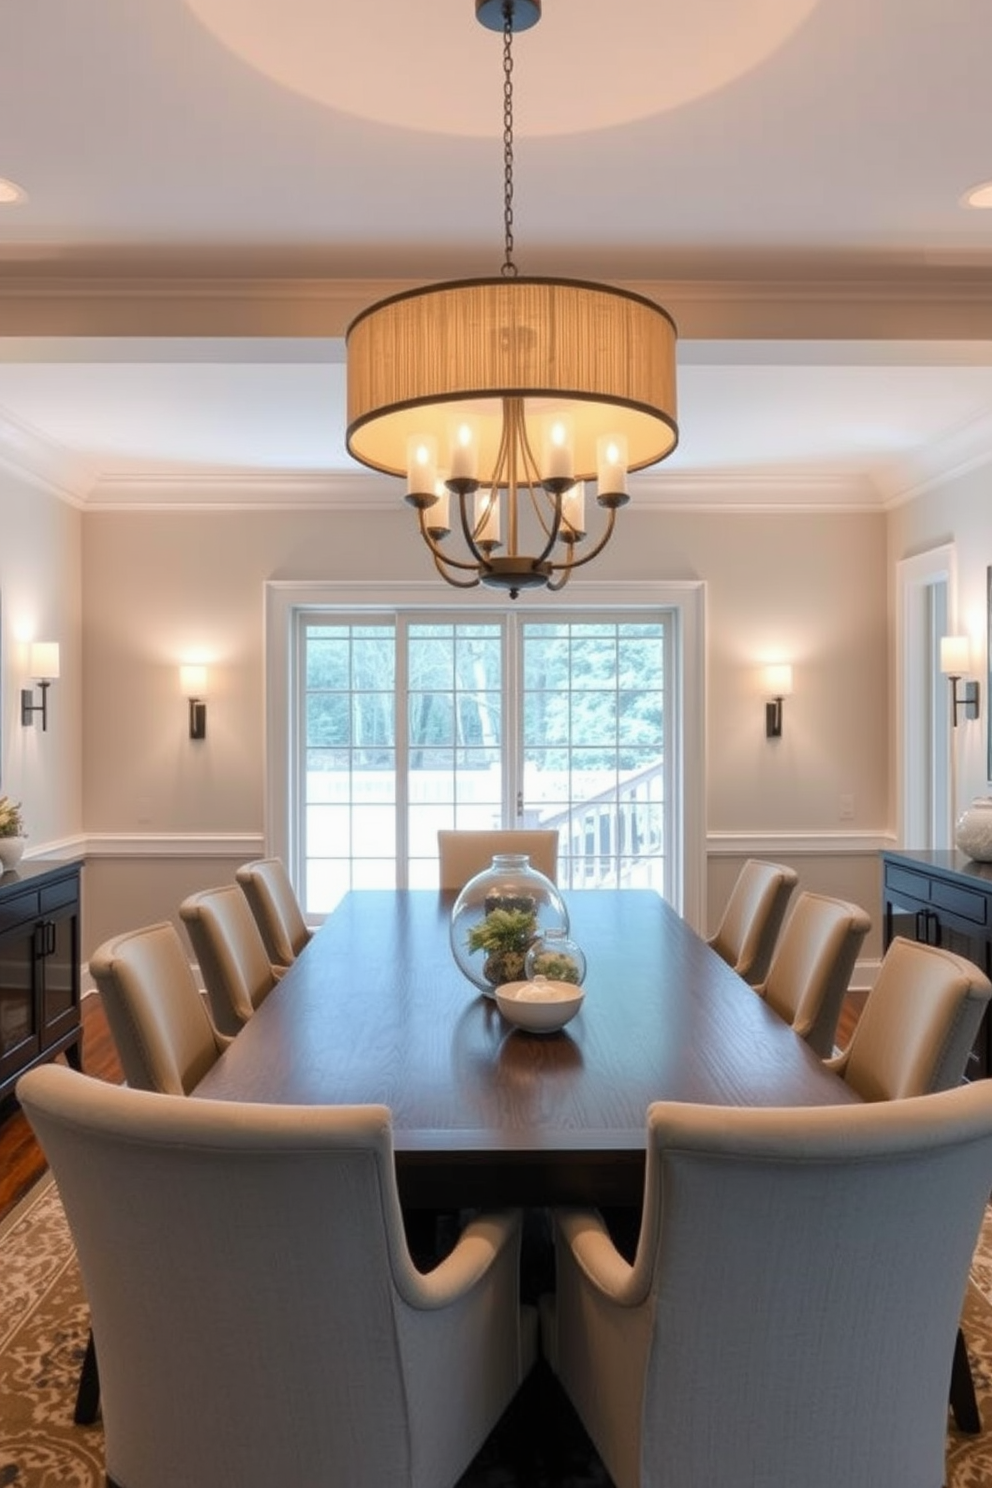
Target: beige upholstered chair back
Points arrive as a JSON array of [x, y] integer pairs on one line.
[[748, 930], [163, 1033], [257, 1316], [464, 854], [228, 945], [791, 1313], [277, 912], [812, 964], [918, 1024]]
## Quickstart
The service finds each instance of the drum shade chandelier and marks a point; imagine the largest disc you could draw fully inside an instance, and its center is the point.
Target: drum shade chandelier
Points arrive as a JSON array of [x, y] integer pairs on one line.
[[499, 398]]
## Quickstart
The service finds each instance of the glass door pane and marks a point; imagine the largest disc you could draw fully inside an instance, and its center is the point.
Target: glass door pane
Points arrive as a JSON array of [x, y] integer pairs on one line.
[[593, 754], [455, 765]]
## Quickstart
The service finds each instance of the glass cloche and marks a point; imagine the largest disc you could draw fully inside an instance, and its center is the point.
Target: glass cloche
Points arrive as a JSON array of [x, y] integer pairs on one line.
[[498, 915]]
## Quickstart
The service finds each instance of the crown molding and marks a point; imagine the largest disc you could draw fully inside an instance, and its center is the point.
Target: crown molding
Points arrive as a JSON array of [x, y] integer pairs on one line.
[[26, 454], [756, 491], [964, 449], [927, 306]]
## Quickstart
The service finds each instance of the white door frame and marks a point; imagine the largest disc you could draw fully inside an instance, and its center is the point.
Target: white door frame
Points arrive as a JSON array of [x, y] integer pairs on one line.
[[919, 744]]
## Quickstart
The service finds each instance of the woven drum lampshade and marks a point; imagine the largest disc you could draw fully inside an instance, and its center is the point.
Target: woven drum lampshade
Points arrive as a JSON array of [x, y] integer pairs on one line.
[[420, 362]]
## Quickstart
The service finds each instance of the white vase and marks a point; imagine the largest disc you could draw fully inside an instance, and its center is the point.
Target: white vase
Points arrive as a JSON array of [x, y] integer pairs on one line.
[[11, 849], [973, 833]]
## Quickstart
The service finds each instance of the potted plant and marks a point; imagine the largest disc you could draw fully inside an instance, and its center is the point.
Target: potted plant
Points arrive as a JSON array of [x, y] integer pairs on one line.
[[505, 935], [12, 833]]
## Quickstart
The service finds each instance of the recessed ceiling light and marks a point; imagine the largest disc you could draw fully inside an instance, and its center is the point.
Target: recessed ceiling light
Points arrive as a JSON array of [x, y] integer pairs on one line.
[[978, 196], [10, 193]]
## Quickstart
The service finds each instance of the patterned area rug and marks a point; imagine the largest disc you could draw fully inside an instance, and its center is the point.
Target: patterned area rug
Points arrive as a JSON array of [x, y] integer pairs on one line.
[[44, 1323]]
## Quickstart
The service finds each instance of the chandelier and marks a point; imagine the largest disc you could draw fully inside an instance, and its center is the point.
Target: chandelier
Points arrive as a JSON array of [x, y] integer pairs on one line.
[[499, 398]]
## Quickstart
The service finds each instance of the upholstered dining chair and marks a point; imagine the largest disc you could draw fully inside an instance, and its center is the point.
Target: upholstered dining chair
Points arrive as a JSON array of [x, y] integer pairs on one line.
[[228, 946], [790, 1313], [811, 966], [918, 1025], [914, 1036], [752, 918], [157, 1017], [164, 1038], [273, 902], [258, 1317], [464, 854]]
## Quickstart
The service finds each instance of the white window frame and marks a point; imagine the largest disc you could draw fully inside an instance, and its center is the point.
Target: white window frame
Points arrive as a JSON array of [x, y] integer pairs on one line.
[[686, 599]]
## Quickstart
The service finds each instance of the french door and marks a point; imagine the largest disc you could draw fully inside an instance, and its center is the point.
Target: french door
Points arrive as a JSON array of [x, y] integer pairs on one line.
[[407, 722]]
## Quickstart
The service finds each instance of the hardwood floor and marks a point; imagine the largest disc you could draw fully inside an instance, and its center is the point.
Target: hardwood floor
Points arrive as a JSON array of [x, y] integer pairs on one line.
[[21, 1160]]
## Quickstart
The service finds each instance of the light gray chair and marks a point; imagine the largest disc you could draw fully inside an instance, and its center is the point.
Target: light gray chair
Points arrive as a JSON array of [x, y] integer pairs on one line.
[[749, 927], [914, 1036], [257, 1315], [157, 1017], [789, 1317], [918, 1025], [164, 1038], [464, 854], [228, 946], [272, 900], [811, 966]]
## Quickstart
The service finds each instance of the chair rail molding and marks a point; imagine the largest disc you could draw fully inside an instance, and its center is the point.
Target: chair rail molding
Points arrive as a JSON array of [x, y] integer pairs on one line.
[[770, 844]]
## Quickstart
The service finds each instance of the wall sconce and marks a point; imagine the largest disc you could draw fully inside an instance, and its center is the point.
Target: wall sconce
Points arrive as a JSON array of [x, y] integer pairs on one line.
[[43, 666], [194, 684], [955, 661], [778, 683]]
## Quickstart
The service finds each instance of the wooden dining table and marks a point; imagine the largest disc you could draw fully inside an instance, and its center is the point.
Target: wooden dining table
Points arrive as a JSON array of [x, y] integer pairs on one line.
[[375, 1009]]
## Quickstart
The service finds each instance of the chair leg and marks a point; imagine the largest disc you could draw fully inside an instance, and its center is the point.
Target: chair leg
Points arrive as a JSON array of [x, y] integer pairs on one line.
[[963, 1401], [88, 1391]]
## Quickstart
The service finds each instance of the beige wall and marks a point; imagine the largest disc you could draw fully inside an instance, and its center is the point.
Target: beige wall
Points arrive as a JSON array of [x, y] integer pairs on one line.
[[41, 599], [158, 585], [131, 594]]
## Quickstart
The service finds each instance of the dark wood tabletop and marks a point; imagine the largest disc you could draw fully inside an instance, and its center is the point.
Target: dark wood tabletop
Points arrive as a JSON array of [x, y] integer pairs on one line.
[[376, 1010]]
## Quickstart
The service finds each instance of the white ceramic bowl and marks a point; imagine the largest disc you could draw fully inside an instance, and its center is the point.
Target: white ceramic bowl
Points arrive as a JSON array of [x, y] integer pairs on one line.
[[540, 1007]]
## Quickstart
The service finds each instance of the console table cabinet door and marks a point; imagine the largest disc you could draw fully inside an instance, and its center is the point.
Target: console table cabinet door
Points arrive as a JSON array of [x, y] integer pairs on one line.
[[20, 1033], [39, 969]]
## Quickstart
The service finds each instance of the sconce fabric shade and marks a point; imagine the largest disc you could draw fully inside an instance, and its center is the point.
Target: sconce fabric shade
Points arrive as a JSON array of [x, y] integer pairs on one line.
[[955, 655], [602, 357], [778, 681], [43, 662], [43, 666]]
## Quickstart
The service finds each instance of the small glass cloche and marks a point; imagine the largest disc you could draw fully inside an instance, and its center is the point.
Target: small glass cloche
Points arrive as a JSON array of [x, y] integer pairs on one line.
[[556, 957], [498, 915]]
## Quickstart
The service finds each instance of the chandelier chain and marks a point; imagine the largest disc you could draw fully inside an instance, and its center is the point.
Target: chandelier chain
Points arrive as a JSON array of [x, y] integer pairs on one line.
[[509, 269]]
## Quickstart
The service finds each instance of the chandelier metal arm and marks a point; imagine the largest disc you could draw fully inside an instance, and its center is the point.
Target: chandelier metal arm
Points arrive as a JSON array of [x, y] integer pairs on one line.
[[556, 585], [440, 556], [480, 551], [440, 562], [574, 562]]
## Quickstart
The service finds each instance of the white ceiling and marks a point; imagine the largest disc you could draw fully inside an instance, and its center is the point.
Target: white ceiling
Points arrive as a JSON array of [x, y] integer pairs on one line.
[[774, 154]]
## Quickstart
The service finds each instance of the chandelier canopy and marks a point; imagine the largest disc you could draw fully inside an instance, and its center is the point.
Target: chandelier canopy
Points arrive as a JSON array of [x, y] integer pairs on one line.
[[499, 398]]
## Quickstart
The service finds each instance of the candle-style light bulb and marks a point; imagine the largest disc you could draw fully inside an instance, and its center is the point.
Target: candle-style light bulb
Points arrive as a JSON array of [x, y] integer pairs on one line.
[[421, 464], [465, 454], [611, 465], [559, 457]]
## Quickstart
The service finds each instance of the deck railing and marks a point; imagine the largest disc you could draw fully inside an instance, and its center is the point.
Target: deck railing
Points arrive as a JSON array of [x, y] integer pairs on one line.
[[616, 838]]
